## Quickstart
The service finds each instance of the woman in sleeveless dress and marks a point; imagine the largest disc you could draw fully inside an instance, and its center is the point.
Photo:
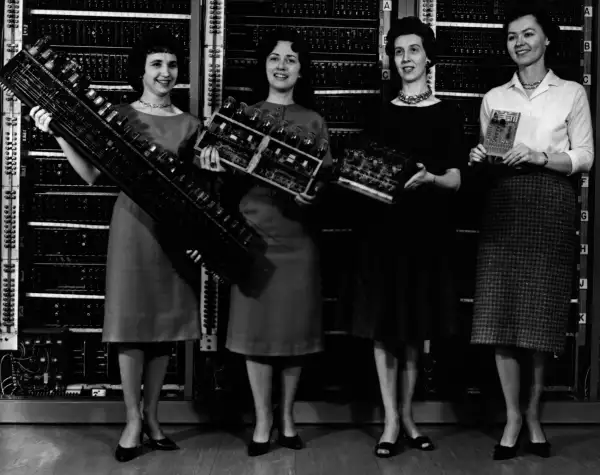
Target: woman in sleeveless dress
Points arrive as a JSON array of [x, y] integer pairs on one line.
[[149, 303]]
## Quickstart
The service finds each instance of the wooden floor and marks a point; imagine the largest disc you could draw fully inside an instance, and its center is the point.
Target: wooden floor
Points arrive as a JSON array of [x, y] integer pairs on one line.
[[77, 450]]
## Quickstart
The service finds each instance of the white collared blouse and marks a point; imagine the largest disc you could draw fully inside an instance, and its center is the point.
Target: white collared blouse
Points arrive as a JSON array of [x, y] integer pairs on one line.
[[555, 119]]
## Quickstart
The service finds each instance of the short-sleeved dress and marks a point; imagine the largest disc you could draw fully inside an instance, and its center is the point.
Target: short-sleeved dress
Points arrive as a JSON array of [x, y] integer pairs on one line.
[[285, 319], [147, 298], [403, 287]]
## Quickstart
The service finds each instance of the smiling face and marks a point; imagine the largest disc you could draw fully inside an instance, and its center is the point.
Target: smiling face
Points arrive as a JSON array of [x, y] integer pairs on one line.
[[526, 41], [160, 73], [283, 67], [410, 57]]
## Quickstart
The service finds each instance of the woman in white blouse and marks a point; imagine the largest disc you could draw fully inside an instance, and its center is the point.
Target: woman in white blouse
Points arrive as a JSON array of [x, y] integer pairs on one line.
[[526, 259]]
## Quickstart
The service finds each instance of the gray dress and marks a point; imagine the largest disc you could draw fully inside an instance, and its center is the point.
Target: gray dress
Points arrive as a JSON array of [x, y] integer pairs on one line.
[[285, 320], [147, 298]]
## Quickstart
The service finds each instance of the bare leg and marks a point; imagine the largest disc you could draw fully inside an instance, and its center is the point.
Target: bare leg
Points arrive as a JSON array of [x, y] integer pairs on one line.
[[387, 370], [153, 382], [537, 388], [261, 380], [131, 365], [289, 382], [509, 373], [409, 381]]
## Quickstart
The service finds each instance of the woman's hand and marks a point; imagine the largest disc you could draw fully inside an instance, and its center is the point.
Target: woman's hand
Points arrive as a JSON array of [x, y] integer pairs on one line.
[[41, 118], [521, 154], [477, 155], [303, 199], [209, 160], [194, 255], [422, 177]]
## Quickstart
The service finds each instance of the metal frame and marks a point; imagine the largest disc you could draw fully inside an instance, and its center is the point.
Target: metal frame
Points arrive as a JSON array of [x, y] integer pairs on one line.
[[594, 320], [10, 128]]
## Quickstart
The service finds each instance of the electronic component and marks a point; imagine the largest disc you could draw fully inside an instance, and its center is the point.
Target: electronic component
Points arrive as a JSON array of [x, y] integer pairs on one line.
[[314, 9], [563, 12], [255, 143], [153, 177], [63, 244], [322, 39], [501, 132], [374, 170], [142, 6]]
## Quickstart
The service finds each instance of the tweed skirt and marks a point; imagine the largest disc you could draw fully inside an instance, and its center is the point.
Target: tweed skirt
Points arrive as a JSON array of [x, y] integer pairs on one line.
[[526, 263]]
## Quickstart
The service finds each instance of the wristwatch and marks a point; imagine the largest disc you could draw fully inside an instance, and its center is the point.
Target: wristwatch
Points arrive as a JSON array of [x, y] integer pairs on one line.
[[546, 159]]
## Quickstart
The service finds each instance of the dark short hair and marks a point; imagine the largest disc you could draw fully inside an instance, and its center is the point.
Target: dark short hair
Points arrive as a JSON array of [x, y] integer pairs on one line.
[[304, 94], [409, 25], [156, 40], [534, 8]]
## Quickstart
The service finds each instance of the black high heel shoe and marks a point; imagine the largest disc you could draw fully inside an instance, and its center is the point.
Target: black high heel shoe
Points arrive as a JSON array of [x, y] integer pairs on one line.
[[125, 454], [541, 449], [385, 450], [294, 442], [504, 452], [256, 449], [158, 444]]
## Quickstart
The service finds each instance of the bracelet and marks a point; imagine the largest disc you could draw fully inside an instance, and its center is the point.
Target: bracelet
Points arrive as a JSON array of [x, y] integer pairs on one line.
[[546, 159]]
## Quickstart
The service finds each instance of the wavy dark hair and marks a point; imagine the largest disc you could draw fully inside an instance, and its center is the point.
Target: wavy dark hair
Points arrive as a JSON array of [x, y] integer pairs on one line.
[[535, 9], [409, 25], [304, 93], [156, 40]]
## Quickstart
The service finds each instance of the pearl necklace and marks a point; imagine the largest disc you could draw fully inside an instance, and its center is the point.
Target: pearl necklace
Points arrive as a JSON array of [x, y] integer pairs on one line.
[[415, 99], [154, 106]]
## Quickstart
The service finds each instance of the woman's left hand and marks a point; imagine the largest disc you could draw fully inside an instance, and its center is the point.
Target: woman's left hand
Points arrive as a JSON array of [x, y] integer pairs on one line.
[[521, 154], [303, 199], [422, 177]]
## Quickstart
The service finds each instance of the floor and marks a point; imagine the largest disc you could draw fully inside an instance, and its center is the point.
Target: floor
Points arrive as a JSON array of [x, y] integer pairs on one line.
[[78, 450]]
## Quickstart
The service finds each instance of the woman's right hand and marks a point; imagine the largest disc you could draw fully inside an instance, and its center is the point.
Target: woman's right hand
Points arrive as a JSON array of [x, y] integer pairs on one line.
[[477, 155], [209, 160], [42, 119]]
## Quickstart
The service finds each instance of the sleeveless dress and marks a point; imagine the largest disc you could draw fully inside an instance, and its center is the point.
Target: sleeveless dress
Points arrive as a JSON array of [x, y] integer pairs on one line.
[[148, 298], [285, 319], [403, 288]]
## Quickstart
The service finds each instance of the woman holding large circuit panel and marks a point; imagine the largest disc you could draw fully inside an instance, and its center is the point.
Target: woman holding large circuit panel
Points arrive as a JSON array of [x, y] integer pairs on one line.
[[525, 266], [151, 297]]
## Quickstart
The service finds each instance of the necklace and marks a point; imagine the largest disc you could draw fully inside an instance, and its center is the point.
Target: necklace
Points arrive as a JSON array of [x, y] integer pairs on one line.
[[530, 86], [154, 106], [415, 99]]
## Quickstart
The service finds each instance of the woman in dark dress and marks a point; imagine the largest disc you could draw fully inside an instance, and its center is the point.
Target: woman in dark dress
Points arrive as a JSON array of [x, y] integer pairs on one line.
[[404, 291], [148, 302], [526, 259], [283, 323]]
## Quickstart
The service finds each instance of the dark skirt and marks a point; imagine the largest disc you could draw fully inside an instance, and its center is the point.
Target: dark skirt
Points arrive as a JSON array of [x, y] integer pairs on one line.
[[403, 288], [526, 263]]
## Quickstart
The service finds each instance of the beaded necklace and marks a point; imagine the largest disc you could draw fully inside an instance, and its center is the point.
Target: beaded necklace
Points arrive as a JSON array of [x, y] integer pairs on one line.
[[154, 106], [530, 86], [415, 99]]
